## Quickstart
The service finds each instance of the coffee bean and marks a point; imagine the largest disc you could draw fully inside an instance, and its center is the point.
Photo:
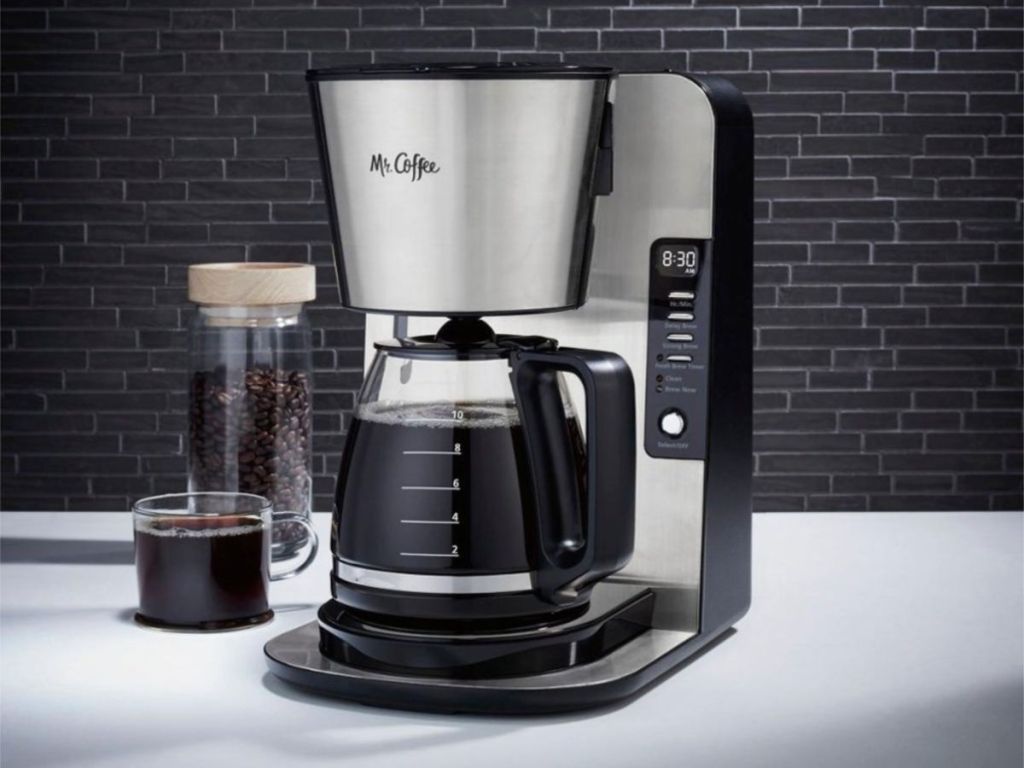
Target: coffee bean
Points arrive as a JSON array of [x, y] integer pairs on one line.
[[252, 433]]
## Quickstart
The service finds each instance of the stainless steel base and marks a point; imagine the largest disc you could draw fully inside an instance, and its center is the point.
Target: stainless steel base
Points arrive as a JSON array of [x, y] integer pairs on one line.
[[295, 656]]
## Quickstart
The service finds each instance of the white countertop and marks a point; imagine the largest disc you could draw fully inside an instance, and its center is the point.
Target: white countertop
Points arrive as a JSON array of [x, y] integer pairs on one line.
[[873, 640]]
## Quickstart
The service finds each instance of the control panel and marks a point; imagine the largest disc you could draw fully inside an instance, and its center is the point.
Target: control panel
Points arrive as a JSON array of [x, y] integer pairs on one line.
[[678, 334]]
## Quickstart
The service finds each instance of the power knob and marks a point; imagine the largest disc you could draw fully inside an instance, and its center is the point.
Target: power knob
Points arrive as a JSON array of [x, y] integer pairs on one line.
[[672, 422]]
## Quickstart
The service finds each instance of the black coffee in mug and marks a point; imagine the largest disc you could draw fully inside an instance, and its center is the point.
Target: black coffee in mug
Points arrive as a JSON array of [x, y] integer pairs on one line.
[[203, 573], [203, 559]]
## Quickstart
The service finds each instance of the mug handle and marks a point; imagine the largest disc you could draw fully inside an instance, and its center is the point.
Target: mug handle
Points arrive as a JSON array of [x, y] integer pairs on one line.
[[314, 543]]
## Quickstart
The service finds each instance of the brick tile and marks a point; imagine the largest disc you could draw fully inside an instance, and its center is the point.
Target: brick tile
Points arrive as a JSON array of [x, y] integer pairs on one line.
[[298, 18], [243, 40], [673, 18], [110, 19]]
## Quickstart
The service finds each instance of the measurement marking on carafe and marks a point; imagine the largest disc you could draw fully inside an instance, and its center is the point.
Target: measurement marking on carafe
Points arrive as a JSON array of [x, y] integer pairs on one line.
[[451, 555], [430, 522], [429, 488], [427, 554], [432, 453]]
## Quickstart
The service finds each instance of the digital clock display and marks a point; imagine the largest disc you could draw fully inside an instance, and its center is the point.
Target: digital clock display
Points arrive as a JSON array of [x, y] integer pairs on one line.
[[677, 260]]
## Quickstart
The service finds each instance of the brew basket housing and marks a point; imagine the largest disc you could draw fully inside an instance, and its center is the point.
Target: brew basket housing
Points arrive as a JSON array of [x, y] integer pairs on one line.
[[463, 189]]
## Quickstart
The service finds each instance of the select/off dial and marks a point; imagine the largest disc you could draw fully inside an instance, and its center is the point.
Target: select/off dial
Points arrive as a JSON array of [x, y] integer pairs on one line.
[[672, 422]]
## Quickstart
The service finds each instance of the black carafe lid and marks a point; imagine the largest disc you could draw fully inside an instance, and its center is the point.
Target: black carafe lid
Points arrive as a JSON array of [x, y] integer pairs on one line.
[[463, 338]]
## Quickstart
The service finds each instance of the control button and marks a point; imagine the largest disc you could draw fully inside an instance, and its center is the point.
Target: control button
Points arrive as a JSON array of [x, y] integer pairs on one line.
[[672, 422], [681, 295], [680, 337], [683, 317], [679, 358]]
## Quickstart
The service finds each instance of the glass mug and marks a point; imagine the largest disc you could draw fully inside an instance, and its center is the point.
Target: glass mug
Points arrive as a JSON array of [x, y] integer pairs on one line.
[[203, 559]]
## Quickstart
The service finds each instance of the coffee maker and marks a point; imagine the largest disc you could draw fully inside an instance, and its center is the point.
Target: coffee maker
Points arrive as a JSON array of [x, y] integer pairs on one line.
[[588, 236]]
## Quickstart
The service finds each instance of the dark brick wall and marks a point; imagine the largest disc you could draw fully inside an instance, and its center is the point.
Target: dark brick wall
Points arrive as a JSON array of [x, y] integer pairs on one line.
[[141, 135]]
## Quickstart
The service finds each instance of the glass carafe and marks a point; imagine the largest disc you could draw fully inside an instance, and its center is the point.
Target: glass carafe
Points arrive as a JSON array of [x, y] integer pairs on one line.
[[468, 489]]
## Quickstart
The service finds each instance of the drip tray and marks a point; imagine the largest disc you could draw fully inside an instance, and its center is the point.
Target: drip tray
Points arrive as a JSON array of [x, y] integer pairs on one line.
[[611, 619], [611, 673]]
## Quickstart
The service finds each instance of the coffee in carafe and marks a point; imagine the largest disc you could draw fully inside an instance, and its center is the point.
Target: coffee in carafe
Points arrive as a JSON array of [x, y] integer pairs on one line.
[[440, 487]]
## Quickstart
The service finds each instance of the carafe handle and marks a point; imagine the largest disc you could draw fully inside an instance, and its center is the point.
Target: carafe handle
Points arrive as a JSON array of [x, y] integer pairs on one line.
[[579, 543]]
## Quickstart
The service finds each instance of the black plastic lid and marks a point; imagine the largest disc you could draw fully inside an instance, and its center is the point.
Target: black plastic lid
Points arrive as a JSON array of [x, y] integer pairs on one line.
[[428, 346], [463, 339], [510, 69]]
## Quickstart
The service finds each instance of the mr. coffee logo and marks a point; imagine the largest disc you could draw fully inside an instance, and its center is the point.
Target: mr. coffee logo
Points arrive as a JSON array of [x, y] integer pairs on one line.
[[403, 164]]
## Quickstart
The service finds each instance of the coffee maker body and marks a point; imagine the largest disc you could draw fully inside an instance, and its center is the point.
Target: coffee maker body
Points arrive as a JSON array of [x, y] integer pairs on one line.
[[668, 287]]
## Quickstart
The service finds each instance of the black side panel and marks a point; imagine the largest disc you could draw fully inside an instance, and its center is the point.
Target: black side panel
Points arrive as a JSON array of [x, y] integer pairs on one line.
[[729, 470]]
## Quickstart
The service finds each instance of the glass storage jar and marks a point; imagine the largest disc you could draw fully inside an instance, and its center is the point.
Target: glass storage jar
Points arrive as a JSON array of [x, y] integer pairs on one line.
[[250, 379]]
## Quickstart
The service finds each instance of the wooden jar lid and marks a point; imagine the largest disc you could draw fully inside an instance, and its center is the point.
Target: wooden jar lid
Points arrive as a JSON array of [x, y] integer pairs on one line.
[[251, 283]]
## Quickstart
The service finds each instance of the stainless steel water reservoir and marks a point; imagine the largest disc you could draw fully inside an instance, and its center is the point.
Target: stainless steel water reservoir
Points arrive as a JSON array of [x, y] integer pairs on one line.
[[463, 190]]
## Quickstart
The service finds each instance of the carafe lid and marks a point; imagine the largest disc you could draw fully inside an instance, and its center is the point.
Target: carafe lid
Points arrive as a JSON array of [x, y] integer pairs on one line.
[[463, 338], [248, 284]]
